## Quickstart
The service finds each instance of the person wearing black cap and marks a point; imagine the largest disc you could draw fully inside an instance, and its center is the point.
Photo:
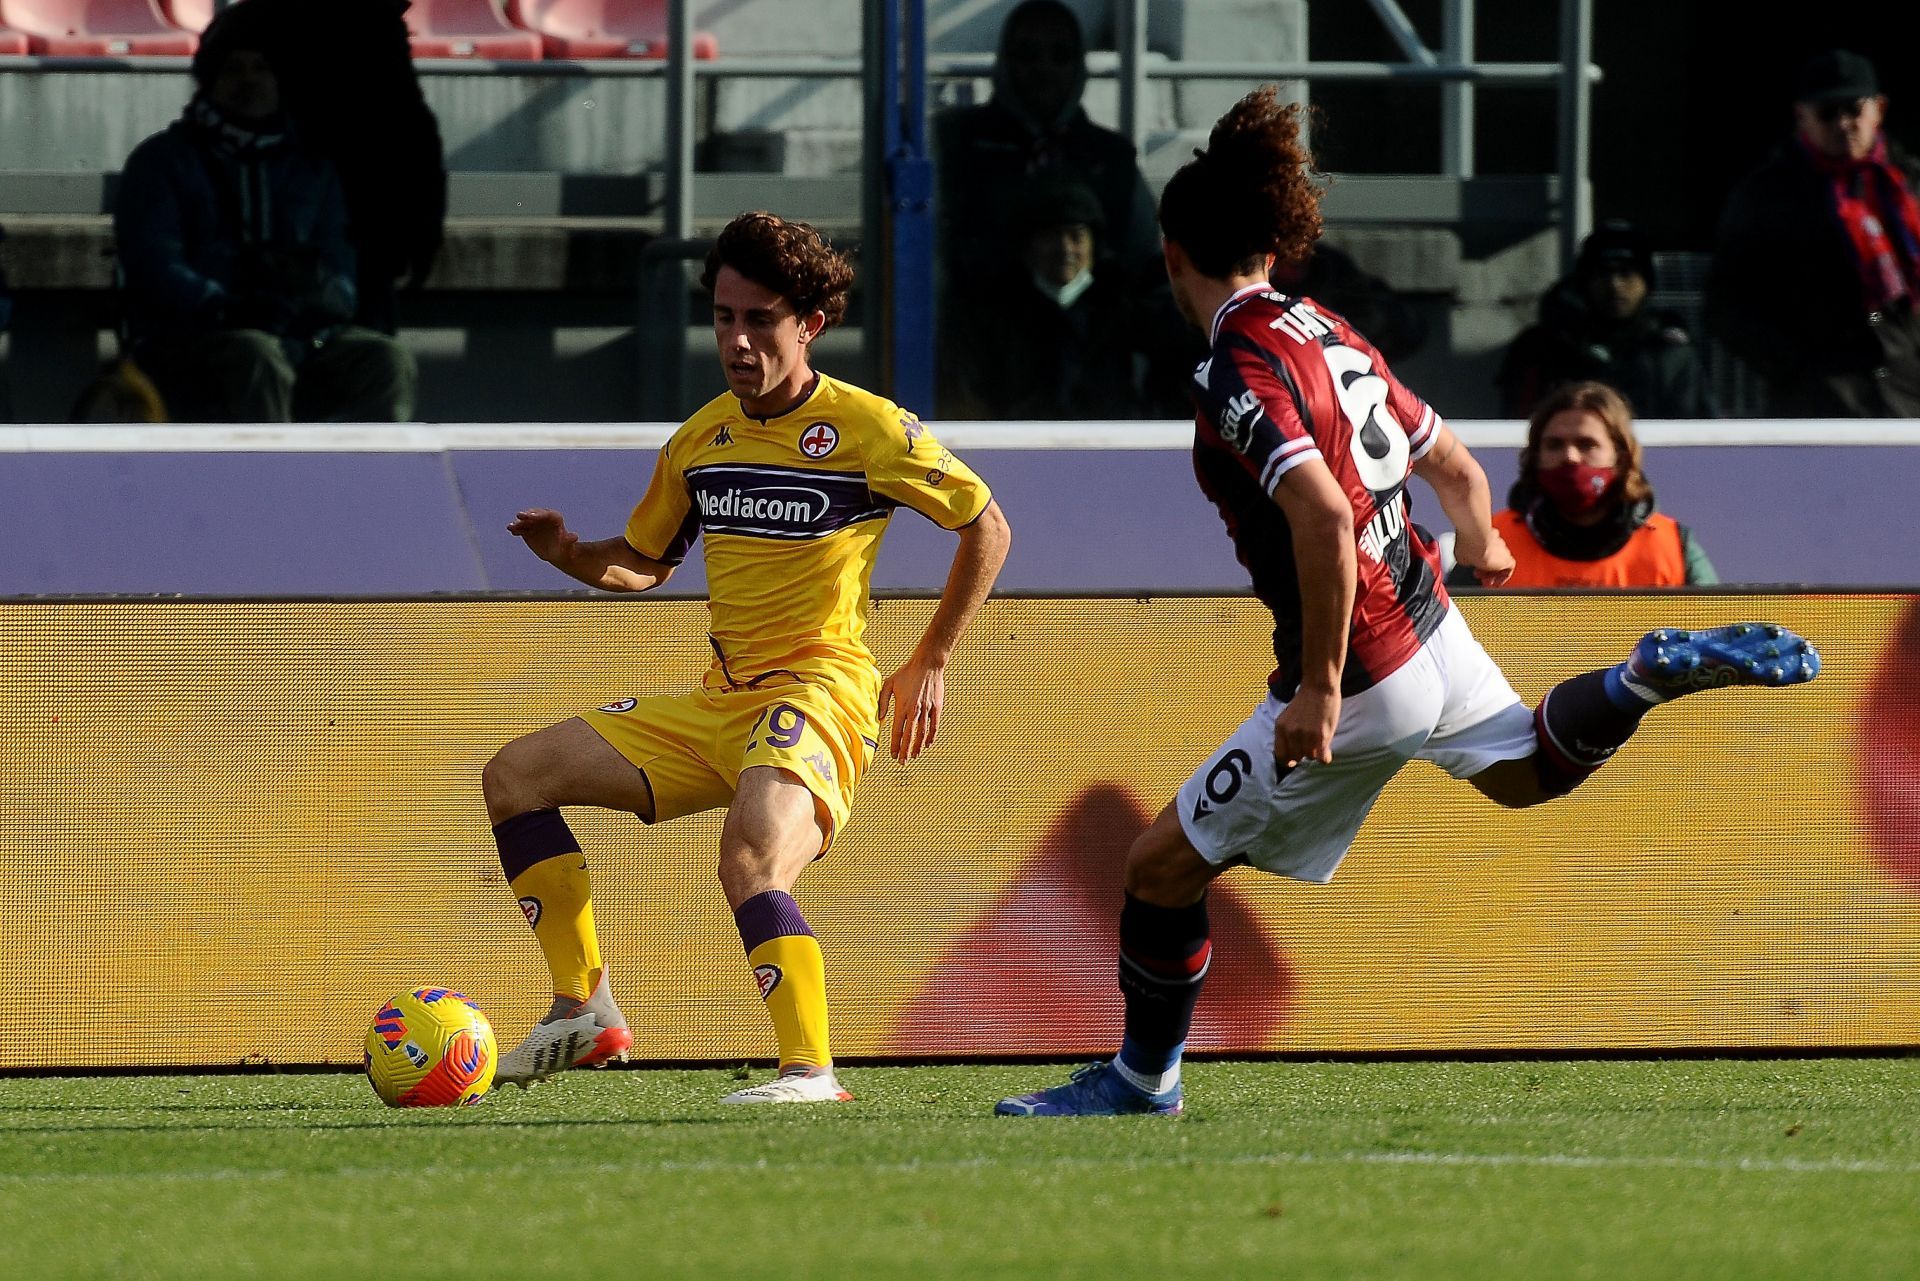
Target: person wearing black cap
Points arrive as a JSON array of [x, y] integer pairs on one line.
[[1054, 332], [1595, 325], [1816, 268], [239, 278]]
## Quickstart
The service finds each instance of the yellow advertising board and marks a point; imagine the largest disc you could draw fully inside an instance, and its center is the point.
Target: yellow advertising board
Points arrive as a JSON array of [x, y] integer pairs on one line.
[[232, 829]]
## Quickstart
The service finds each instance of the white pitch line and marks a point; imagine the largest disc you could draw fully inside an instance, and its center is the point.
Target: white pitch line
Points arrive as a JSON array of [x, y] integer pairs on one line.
[[1543, 1160]]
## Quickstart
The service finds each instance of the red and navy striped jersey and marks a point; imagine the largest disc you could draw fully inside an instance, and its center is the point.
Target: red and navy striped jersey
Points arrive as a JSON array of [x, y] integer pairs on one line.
[[1288, 381]]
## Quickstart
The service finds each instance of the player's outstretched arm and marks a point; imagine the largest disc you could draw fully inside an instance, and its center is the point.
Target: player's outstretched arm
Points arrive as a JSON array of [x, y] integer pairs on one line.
[[1461, 486], [919, 688], [610, 564], [1321, 518]]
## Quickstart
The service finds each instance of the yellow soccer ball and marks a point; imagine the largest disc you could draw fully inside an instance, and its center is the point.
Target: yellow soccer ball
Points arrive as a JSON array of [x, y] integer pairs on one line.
[[430, 1048]]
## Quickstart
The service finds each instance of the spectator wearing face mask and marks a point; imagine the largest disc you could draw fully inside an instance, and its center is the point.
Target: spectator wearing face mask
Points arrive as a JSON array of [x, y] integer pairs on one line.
[[1051, 333], [1581, 513], [1596, 325]]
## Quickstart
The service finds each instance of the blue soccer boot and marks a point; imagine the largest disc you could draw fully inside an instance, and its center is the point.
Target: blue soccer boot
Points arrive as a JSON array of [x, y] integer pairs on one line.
[[1670, 662], [1095, 1090]]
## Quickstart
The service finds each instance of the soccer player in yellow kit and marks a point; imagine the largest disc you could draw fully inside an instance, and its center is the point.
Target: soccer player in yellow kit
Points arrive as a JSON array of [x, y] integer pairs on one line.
[[788, 480]]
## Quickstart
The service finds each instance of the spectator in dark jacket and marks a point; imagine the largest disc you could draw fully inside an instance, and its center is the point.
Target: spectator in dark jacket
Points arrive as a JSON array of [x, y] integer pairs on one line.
[[1596, 325], [1033, 127], [1816, 270], [239, 276], [347, 75]]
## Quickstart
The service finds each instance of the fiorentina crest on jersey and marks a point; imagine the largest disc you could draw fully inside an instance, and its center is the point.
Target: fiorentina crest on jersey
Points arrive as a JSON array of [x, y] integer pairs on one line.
[[768, 977], [819, 440]]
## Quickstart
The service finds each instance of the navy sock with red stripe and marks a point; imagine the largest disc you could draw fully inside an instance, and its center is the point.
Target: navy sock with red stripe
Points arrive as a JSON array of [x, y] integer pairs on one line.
[[1580, 724], [1164, 953]]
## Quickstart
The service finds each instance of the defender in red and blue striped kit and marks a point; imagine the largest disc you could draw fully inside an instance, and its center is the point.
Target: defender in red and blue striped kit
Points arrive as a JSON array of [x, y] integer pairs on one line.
[[1288, 383], [1304, 439]]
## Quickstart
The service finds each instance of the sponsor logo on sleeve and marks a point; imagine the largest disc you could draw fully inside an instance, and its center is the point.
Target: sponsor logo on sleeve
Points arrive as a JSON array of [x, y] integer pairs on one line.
[[1238, 418]]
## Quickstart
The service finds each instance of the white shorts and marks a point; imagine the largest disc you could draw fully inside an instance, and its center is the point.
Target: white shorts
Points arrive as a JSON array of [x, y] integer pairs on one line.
[[1448, 704]]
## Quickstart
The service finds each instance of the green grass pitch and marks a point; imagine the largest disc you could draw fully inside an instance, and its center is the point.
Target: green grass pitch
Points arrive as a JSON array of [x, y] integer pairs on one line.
[[1744, 1169]]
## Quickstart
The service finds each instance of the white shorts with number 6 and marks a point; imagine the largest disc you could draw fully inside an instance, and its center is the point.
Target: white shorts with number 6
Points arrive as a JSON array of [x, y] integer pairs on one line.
[[1448, 704]]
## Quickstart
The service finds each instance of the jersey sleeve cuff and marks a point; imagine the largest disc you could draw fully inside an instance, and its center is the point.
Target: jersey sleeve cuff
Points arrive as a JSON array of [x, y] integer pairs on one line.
[[1421, 438], [1285, 459]]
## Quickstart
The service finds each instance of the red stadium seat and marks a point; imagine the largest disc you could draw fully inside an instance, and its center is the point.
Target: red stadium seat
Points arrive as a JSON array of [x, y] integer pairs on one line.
[[188, 15], [467, 29], [94, 28], [603, 28]]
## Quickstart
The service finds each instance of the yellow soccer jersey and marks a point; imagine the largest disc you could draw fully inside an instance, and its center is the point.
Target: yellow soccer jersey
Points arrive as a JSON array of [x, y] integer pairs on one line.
[[791, 511]]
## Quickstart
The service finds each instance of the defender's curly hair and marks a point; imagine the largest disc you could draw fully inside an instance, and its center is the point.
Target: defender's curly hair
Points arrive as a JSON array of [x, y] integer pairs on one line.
[[790, 258], [1612, 409], [1253, 191]]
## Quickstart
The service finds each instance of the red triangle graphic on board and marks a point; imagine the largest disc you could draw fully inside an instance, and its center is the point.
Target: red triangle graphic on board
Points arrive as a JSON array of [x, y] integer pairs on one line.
[[1035, 974]]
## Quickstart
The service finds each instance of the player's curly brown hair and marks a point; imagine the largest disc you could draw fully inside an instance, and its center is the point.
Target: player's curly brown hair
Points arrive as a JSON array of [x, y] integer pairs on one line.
[[790, 258], [1613, 410], [1253, 191]]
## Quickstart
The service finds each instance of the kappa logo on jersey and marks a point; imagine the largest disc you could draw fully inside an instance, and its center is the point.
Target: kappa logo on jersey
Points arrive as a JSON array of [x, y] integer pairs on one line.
[[914, 430], [530, 907], [768, 977], [819, 440], [722, 437], [619, 705], [821, 765], [1238, 418]]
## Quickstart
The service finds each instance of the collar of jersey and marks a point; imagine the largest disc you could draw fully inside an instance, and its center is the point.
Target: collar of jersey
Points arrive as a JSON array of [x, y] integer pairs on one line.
[[819, 381], [1239, 295]]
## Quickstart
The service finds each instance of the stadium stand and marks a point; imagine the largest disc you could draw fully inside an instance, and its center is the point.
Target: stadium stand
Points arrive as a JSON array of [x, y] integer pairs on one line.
[[95, 28], [603, 28], [468, 29]]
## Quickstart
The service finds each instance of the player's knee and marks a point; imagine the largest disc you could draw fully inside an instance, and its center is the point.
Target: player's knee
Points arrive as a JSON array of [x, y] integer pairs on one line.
[[1170, 874], [509, 781]]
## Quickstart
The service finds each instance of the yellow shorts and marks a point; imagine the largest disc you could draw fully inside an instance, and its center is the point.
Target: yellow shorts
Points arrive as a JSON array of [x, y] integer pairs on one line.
[[693, 747]]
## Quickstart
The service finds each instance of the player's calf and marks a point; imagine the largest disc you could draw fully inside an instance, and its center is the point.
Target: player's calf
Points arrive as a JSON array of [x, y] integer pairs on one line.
[[1583, 721]]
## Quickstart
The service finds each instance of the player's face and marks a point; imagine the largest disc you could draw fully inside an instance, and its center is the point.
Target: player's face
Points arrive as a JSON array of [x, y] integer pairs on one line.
[[246, 86], [763, 343], [1841, 130], [1576, 436]]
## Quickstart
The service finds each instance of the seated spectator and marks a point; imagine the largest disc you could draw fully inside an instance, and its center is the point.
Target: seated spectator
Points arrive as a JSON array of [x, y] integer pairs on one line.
[[1595, 325], [1052, 333], [1581, 512], [1816, 268], [239, 278]]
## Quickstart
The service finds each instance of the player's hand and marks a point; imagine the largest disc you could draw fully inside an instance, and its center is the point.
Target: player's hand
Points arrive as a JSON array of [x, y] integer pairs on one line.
[[915, 692], [1304, 730], [1495, 565], [545, 532]]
